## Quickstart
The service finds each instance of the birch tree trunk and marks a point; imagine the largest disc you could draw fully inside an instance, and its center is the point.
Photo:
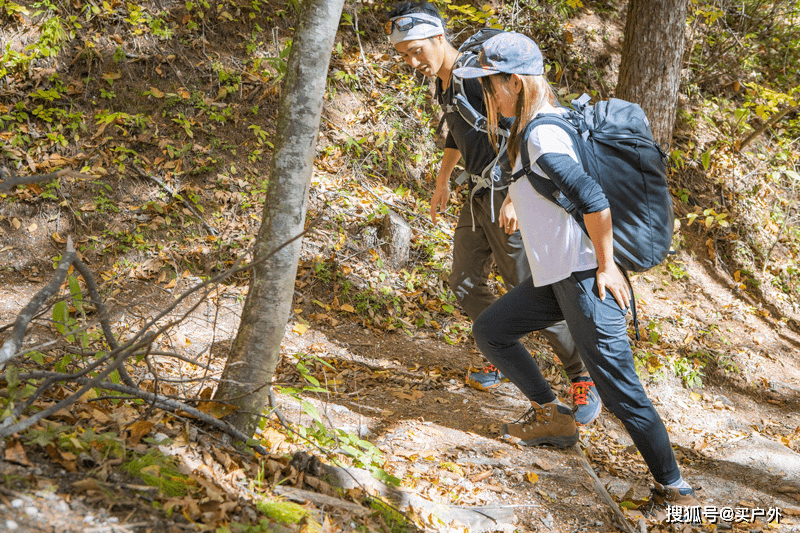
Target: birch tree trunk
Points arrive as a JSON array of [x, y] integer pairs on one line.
[[247, 376], [652, 57]]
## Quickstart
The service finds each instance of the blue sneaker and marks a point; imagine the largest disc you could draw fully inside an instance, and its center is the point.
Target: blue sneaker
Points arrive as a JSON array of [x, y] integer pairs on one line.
[[586, 403], [485, 378]]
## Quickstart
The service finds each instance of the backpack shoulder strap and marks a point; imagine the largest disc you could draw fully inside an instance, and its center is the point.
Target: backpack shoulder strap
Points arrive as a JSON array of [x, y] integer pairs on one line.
[[460, 102], [545, 186]]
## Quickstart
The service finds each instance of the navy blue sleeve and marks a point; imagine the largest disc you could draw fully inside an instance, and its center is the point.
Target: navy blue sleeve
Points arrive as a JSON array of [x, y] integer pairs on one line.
[[578, 186]]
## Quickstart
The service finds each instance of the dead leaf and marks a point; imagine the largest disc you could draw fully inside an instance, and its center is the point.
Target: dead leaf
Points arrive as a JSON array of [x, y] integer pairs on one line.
[[481, 476], [216, 409], [15, 453], [137, 430], [87, 485]]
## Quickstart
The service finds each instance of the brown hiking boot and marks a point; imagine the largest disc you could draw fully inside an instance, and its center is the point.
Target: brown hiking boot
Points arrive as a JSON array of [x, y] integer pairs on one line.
[[674, 505], [550, 423]]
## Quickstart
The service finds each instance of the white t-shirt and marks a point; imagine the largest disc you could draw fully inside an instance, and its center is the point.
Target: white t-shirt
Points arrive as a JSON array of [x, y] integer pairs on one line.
[[555, 244]]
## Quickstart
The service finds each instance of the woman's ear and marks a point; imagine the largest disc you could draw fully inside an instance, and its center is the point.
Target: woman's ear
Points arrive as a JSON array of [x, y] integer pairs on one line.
[[515, 84]]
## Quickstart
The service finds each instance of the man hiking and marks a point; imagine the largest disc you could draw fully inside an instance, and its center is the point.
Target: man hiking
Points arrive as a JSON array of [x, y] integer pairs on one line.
[[417, 32]]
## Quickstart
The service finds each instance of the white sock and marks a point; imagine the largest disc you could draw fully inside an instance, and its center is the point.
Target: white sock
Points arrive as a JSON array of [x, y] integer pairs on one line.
[[681, 484], [559, 402]]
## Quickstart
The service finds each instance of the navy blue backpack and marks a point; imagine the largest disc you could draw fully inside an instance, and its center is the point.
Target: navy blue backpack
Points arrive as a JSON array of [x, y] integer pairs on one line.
[[617, 149]]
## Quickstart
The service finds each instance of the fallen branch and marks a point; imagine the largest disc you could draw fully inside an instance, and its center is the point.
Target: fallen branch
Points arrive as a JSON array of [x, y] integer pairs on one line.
[[175, 406], [319, 499], [118, 354], [598, 485], [175, 195], [13, 181], [777, 118]]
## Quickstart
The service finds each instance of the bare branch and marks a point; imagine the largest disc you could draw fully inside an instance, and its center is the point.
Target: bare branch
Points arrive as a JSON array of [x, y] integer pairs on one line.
[[11, 346], [7, 428], [102, 313], [141, 340]]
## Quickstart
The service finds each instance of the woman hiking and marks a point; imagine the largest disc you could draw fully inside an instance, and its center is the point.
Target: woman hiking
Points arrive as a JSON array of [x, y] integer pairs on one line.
[[573, 273]]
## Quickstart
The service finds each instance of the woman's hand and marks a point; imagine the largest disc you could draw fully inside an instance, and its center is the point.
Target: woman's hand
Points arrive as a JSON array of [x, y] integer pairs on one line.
[[609, 276], [612, 279], [508, 217]]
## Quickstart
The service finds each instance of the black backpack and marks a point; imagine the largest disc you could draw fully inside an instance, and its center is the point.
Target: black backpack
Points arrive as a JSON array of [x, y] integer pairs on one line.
[[617, 149]]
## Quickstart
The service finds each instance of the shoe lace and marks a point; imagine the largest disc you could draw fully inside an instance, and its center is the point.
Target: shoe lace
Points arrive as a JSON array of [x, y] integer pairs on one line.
[[527, 417], [656, 501], [489, 369], [578, 392]]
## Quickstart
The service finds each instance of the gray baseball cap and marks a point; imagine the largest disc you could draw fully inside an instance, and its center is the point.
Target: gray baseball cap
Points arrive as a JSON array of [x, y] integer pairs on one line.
[[508, 52]]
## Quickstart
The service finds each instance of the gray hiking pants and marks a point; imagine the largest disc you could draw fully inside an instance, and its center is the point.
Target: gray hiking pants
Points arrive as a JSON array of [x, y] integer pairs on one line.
[[473, 252]]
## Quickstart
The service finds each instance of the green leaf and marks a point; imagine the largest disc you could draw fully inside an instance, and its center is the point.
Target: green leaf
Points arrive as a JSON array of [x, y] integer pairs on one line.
[[311, 411], [77, 295], [322, 361], [706, 159], [382, 475], [349, 450], [60, 314], [792, 174], [11, 376]]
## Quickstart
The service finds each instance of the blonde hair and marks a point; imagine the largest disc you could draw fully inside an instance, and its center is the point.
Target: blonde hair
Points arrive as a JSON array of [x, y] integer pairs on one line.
[[536, 93]]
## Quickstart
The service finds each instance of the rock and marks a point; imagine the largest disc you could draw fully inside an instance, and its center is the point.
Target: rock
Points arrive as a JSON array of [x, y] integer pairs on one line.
[[763, 454], [396, 233]]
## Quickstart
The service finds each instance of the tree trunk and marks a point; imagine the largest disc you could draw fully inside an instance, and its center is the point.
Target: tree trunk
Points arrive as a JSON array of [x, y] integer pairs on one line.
[[248, 372], [652, 57]]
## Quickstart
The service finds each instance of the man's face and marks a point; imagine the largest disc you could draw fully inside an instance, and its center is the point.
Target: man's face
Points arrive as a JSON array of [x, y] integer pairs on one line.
[[424, 55]]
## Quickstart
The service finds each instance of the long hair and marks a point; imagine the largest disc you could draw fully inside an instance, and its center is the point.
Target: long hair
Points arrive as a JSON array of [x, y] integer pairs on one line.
[[535, 93], [404, 8]]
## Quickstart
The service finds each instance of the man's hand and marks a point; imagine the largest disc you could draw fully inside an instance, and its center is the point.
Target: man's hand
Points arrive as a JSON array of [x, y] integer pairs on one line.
[[508, 217], [442, 193], [439, 199]]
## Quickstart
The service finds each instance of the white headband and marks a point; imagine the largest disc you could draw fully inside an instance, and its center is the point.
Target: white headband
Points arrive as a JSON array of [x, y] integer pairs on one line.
[[418, 31]]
